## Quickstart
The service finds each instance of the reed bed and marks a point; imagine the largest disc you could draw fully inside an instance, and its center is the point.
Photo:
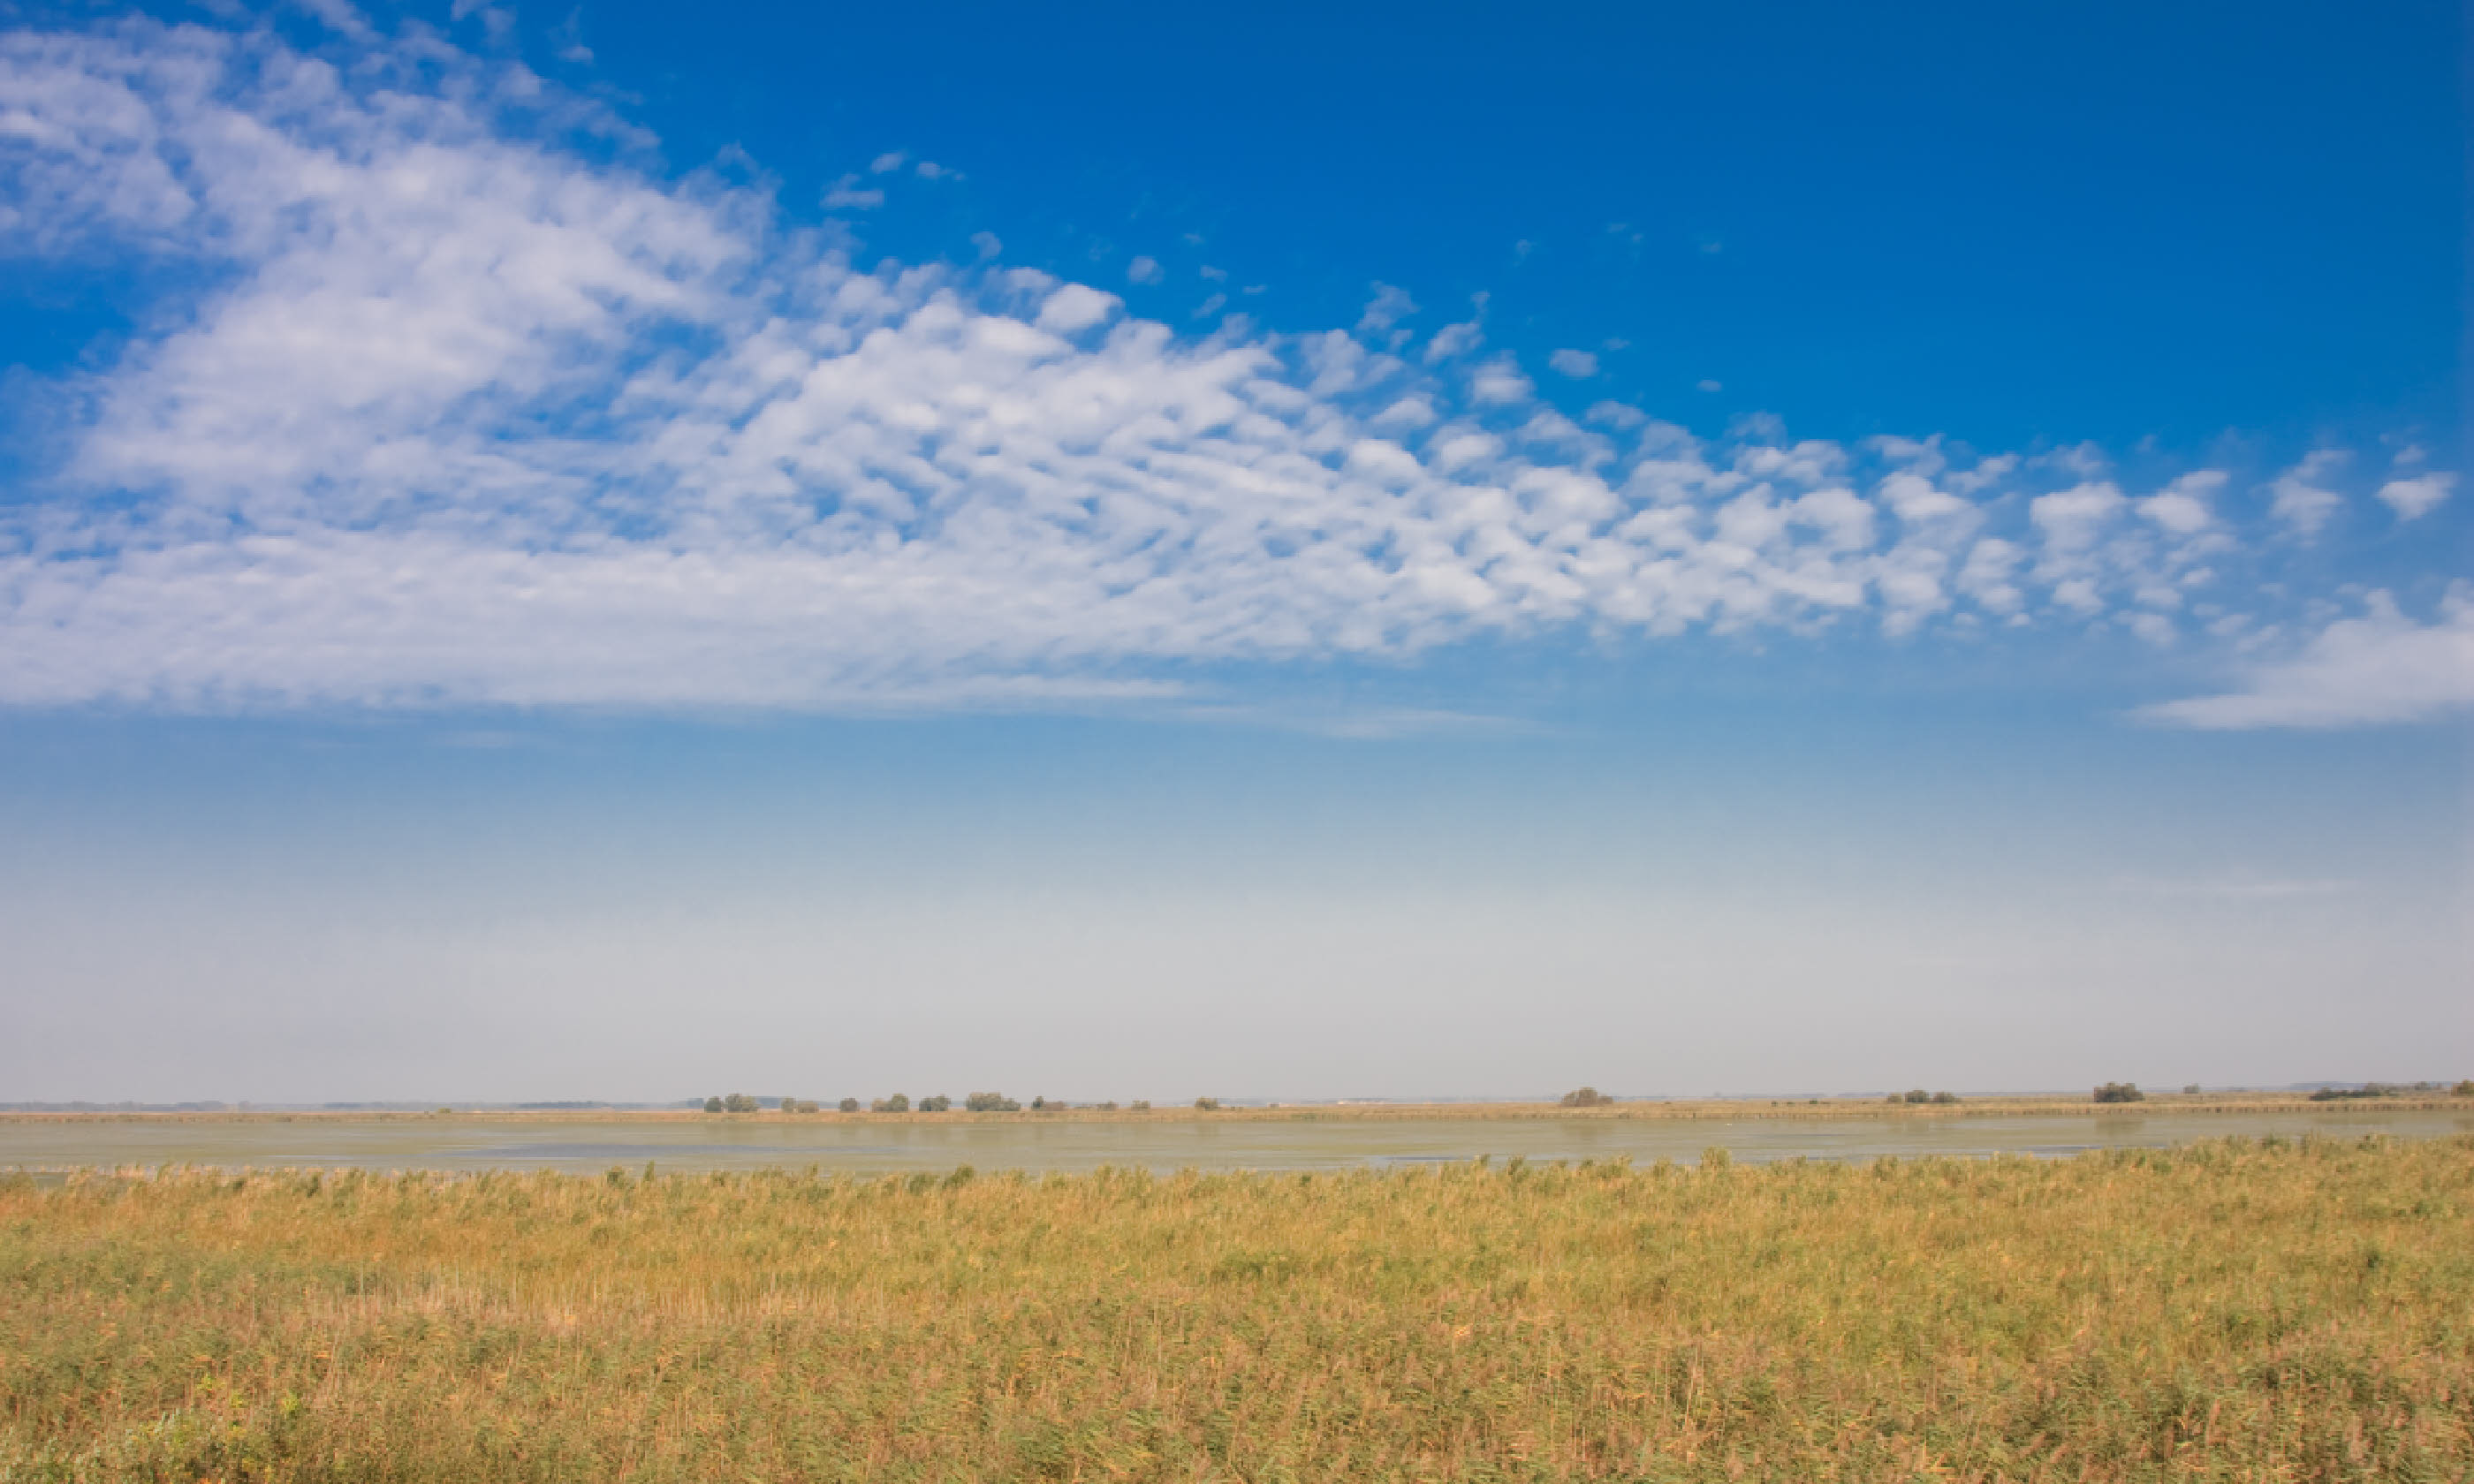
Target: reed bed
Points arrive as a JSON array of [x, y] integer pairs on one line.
[[2228, 1310]]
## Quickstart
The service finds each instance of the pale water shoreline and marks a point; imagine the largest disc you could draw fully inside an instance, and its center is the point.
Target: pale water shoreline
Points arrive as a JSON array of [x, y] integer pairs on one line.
[[1305, 1140]]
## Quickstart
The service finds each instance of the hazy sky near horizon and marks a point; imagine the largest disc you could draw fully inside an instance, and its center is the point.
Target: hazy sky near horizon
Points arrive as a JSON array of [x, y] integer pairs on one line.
[[575, 553]]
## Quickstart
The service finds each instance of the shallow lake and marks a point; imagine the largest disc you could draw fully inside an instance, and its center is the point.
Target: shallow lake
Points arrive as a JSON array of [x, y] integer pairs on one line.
[[712, 1143]]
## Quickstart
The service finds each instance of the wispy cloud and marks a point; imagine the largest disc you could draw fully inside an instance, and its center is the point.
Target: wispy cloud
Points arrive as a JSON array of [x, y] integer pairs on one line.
[[466, 401], [2301, 497], [848, 194], [2381, 667], [1580, 365]]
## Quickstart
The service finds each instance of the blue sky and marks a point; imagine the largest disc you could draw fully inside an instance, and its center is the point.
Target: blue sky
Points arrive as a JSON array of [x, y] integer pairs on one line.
[[560, 553]]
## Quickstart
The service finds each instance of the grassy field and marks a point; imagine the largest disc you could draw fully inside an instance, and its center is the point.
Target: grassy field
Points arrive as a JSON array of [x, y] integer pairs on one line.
[[2231, 1311]]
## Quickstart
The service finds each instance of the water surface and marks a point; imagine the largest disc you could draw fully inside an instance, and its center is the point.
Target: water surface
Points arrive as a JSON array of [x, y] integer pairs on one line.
[[996, 1143]]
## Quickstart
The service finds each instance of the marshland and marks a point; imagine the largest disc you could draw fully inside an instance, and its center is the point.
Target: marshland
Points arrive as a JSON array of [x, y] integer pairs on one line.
[[1178, 1136]]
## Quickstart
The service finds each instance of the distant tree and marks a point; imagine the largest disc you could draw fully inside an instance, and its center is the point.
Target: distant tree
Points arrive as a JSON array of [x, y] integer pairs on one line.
[[2190, 1087], [897, 1103], [1140, 1105], [793, 1105], [1040, 1105], [1107, 1107], [2366, 1090], [1916, 1095], [712, 1105], [739, 1102], [2464, 1089], [1207, 1104], [848, 1105], [941, 1103], [1584, 1097], [991, 1102], [2120, 1092], [1945, 1097]]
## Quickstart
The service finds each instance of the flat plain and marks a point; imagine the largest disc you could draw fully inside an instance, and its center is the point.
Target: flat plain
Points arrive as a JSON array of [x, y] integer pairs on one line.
[[1322, 1137], [2255, 1310]]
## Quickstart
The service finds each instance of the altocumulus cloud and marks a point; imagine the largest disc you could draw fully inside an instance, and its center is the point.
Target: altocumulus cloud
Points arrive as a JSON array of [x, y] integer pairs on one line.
[[452, 395]]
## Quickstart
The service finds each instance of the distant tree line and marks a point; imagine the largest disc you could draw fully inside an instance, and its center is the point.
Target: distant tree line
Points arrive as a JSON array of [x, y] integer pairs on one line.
[[2464, 1088], [902, 1103], [1920, 1095], [1584, 1097], [2119, 1093]]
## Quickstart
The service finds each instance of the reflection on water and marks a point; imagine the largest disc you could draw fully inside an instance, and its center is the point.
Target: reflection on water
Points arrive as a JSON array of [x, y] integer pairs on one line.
[[1003, 1142], [603, 1153]]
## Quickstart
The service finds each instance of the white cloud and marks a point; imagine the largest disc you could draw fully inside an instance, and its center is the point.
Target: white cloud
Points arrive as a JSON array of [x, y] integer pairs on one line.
[[1705, 384], [569, 38], [1453, 340], [2379, 667], [848, 194], [1843, 518], [448, 412], [1145, 269], [1388, 306], [1499, 383], [1579, 365], [2417, 497], [1076, 308], [1916, 501], [1987, 575], [2071, 519], [2301, 497], [888, 161], [929, 170], [2182, 506]]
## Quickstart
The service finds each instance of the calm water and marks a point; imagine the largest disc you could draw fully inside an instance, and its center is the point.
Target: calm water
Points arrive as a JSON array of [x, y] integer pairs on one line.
[[450, 1143]]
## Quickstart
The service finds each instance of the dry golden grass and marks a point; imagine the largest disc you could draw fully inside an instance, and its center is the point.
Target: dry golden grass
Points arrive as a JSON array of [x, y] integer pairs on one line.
[[2232, 1310]]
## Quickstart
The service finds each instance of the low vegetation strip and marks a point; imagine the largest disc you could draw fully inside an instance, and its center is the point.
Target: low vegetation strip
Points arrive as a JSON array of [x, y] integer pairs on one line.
[[2228, 1310], [2372, 1098]]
